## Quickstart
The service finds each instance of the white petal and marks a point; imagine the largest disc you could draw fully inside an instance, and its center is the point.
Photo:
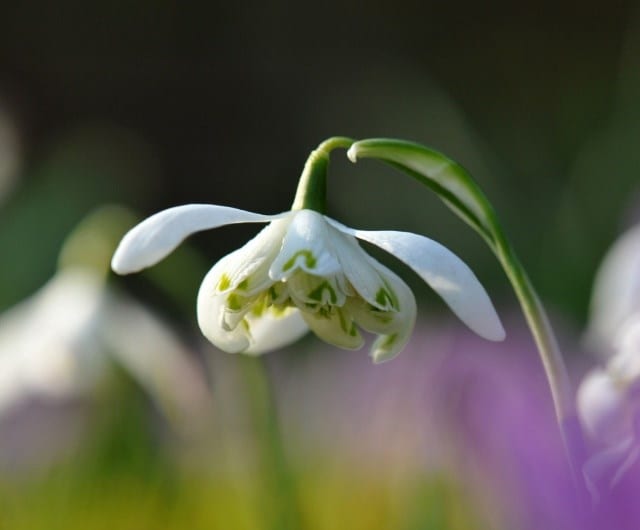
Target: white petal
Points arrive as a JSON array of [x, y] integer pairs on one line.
[[625, 364], [155, 237], [371, 318], [252, 334], [211, 305], [47, 342], [363, 276], [271, 331], [307, 247], [387, 346], [447, 274], [160, 362], [310, 289], [616, 293], [246, 275], [249, 270], [602, 407], [335, 327]]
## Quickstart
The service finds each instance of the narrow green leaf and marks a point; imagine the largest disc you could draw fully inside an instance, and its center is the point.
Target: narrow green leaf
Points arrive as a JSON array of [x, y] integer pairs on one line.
[[448, 179]]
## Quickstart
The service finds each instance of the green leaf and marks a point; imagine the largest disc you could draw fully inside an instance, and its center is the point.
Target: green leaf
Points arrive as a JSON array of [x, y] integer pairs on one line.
[[448, 179]]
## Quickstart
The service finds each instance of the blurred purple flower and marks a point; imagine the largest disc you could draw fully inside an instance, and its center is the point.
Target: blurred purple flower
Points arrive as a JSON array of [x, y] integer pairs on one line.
[[480, 413], [495, 404]]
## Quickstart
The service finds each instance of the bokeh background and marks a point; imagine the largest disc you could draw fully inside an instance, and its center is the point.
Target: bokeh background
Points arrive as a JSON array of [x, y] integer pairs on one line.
[[154, 104]]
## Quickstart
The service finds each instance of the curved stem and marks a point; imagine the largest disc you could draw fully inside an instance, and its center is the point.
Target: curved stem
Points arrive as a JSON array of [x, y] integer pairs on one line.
[[335, 142], [312, 186], [540, 328], [550, 354]]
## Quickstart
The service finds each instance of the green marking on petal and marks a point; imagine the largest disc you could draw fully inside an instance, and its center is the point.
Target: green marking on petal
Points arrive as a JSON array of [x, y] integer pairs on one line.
[[316, 294], [279, 311], [243, 284], [354, 330], [344, 324], [224, 282], [235, 302], [386, 297], [260, 306], [380, 315], [309, 259], [389, 340], [278, 294], [273, 295]]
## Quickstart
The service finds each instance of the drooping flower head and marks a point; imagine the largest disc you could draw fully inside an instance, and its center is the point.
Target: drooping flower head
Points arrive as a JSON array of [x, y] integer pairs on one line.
[[305, 271]]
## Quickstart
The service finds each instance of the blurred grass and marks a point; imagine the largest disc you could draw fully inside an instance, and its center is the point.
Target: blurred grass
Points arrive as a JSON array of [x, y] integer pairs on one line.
[[64, 502]]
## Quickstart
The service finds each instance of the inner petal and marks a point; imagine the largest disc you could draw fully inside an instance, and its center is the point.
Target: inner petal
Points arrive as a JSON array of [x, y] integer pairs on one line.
[[310, 290], [307, 246], [394, 337], [371, 318], [335, 326], [365, 279]]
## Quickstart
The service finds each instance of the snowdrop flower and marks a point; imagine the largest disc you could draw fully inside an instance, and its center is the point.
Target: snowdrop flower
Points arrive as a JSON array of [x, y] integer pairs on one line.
[[305, 271], [61, 341], [609, 405], [609, 396]]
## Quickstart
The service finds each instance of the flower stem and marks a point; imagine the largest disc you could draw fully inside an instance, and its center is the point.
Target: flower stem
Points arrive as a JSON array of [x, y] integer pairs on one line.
[[550, 354], [540, 328], [283, 505], [312, 186]]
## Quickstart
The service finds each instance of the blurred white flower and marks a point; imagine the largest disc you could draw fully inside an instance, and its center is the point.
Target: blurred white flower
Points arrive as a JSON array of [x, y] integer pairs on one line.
[[305, 270], [608, 397], [616, 291], [61, 342], [609, 406]]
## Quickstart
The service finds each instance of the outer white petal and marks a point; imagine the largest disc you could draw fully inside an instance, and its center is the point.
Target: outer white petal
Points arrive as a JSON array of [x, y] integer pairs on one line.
[[271, 331], [210, 308], [616, 293], [307, 246], [47, 345], [602, 407], [253, 335], [625, 364], [155, 237], [251, 264], [447, 274], [160, 362]]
